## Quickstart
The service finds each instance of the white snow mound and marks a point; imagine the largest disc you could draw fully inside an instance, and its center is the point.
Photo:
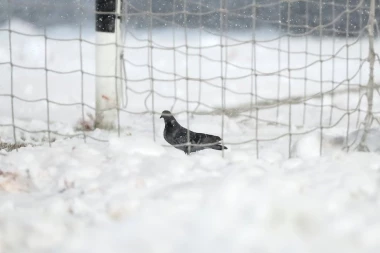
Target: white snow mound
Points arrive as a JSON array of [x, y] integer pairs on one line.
[[136, 145], [307, 147]]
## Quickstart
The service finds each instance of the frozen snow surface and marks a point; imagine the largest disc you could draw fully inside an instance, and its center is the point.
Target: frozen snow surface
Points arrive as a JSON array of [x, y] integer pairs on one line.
[[134, 194]]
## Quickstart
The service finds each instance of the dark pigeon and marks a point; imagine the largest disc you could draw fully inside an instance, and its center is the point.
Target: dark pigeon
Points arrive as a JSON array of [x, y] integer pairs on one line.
[[176, 135]]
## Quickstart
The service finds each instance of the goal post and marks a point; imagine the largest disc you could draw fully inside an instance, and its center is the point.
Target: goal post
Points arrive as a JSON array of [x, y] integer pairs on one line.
[[109, 52]]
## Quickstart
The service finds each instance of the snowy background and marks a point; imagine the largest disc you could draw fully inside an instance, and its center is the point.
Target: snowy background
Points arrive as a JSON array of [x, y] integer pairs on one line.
[[134, 193]]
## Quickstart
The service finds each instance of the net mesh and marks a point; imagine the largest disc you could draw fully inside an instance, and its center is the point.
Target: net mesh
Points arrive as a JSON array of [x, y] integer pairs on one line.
[[273, 70]]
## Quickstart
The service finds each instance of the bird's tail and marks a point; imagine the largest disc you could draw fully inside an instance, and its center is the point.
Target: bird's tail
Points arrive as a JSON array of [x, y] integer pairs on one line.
[[218, 147]]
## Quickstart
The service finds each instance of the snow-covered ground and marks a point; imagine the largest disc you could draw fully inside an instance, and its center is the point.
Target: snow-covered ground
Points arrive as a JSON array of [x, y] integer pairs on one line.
[[133, 193]]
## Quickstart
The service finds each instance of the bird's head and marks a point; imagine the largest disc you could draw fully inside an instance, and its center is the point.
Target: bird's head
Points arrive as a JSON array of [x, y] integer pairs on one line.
[[166, 115]]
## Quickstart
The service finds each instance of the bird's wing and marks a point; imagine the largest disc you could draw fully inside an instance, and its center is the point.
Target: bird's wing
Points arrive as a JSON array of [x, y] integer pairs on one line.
[[195, 138], [181, 135], [201, 138], [198, 138]]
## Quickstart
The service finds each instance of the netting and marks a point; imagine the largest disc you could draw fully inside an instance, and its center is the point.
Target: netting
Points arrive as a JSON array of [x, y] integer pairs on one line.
[[260, 72]]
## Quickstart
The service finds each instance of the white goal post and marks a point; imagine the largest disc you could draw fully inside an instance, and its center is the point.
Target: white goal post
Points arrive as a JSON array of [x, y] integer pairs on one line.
[[109, 51]]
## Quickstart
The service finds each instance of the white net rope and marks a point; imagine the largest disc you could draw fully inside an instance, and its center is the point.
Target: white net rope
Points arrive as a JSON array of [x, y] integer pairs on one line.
[[272, 70]]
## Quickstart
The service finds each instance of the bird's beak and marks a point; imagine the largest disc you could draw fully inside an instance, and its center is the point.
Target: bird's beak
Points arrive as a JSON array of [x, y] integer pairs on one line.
[[161, 117]]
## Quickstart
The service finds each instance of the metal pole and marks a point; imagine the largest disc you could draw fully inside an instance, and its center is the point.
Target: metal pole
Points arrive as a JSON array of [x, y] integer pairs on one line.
[[370, 86]]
